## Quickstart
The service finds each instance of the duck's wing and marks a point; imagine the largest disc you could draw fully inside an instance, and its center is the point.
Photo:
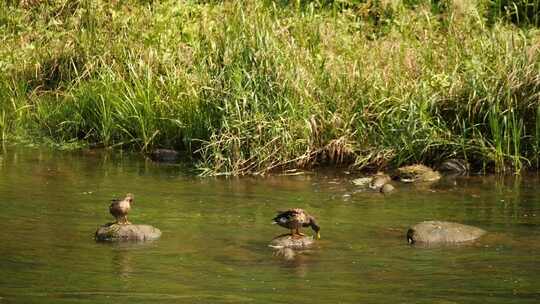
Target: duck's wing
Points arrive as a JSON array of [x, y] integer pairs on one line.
[[291, 216], [285, 217], [114, 202], [114, 207]]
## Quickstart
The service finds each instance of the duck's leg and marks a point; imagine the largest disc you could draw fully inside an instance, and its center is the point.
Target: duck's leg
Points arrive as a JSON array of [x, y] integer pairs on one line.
[[126, 220], [298, 232]]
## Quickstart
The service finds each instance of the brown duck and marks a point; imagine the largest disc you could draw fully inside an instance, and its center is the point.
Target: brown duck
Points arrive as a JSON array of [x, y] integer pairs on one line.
[[296, 218], [120, 208]]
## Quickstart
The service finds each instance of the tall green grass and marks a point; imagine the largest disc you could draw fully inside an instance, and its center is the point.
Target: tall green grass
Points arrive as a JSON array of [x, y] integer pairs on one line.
[[249, 87], [520, 12]]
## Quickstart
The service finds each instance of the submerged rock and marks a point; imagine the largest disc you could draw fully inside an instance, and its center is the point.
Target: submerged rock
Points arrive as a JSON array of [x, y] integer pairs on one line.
[[437, 232], [116, 232], [164, 155], [288, 241], [417, 173]]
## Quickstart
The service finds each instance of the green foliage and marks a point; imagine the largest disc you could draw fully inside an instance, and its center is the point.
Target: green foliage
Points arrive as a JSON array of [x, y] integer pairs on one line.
[[249, 87], [520, 12]]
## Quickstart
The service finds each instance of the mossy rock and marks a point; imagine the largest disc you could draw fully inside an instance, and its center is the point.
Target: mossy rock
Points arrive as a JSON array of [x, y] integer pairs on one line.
[[438, 232], [112, 232], [375, 182], [417, 173], [288, 241]]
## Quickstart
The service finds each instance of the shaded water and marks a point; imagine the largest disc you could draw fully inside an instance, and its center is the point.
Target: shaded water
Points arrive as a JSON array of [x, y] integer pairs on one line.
[[215, 235]]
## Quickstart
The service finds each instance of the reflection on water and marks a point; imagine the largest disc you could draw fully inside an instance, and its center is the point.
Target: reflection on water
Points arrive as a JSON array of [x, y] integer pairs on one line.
[[122, 261], [296, 260], [214, 247]]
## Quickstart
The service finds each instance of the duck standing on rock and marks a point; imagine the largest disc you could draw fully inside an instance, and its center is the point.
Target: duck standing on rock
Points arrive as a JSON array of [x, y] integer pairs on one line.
[[296, 218], [120, 208]]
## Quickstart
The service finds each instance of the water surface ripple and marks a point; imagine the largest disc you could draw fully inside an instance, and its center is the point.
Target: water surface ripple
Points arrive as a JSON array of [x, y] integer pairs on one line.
[[215, 235]]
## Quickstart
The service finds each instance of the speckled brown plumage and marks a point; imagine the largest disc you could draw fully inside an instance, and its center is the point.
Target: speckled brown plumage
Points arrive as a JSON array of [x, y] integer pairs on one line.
[[296, 218], [120, 209]]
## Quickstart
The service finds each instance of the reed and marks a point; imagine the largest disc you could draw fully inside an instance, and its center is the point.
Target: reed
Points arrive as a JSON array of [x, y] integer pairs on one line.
[[249, 87], [520, 12]]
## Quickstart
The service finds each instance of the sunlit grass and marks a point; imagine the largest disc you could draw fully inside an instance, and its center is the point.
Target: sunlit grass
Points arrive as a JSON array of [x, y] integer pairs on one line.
[[250, 87]]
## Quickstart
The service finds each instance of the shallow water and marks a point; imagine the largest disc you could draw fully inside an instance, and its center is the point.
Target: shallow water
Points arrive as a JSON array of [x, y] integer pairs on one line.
[[215, 235]]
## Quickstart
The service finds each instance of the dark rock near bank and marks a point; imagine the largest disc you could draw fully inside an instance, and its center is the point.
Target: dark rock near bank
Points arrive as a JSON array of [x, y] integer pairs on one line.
[[115, 232], [288, 241], [165, 155], [417, 173], [454, 166], [437, 232]]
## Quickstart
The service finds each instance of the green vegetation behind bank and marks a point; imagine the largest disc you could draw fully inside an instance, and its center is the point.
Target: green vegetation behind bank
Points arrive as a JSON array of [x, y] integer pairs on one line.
[[251, 86]]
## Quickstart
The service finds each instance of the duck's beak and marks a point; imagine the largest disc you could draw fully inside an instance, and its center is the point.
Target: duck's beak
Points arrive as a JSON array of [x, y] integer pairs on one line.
[[318, 237]]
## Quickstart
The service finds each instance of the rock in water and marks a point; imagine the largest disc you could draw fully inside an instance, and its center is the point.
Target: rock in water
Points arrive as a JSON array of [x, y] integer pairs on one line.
[[436, 232], [417, 173], [362, 181], [165, 155], [387, 188], [455, 166], [379, 180], [116, 232], [375, 182], [288, 241]]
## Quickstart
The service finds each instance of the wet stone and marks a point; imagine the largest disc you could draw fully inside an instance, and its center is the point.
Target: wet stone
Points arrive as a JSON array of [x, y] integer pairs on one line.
[[362, 181], [113, 232], [438, 232], [379, 180], [288, 241], [375, 182], [455, 166], [417, 173], [387, 188]]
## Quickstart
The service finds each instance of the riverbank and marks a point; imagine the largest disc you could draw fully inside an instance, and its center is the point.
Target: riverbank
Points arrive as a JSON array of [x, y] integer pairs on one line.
[[252, 87]]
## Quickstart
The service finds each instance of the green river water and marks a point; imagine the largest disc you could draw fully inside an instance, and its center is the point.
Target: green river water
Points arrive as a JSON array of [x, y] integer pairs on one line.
[[216, 231]]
